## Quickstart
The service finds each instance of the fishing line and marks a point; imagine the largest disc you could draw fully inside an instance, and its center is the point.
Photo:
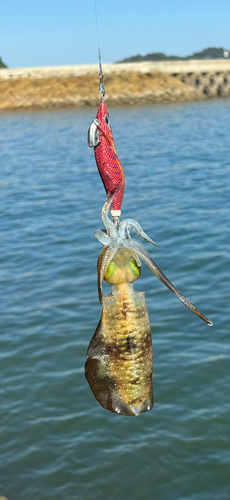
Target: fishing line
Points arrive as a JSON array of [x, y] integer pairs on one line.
[[101, 74]]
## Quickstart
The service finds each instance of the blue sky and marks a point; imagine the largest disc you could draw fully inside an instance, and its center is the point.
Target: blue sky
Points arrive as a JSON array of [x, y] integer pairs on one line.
[[59, 32]]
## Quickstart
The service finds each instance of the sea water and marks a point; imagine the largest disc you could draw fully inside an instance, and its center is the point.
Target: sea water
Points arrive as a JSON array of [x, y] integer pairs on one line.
[[56, 441]]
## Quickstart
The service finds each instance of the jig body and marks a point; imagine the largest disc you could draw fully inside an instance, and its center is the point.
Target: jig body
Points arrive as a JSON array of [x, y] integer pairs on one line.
[[100, 137]]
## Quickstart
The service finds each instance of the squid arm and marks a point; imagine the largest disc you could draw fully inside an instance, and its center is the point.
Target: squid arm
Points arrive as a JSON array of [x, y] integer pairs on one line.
[[142, 252]]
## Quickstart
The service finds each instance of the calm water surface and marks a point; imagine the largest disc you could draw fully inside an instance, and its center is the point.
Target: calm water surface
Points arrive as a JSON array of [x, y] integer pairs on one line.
[[56, 441]]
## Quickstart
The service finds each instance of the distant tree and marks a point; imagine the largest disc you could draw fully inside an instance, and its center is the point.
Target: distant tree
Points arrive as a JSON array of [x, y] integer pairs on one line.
[[210, 53], [2, 64]]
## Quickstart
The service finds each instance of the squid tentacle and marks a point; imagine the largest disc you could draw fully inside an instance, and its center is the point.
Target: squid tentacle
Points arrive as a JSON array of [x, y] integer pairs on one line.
[[127, 224], [103, 237], [134, 253], [104, 260], [101, 270], [142, 252], [109, 225]]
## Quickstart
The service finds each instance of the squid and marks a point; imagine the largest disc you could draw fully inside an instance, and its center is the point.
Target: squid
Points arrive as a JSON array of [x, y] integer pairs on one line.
[[119, 358]]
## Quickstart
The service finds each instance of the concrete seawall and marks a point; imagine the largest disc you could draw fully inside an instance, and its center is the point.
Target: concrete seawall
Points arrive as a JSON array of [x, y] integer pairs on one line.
[[130, 83]]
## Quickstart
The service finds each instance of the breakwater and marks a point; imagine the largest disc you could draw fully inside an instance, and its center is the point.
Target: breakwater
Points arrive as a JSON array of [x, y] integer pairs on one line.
[[129, 83]]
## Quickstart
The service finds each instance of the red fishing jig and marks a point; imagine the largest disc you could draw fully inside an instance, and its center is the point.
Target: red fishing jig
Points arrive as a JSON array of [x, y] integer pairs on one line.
[[100, 137]]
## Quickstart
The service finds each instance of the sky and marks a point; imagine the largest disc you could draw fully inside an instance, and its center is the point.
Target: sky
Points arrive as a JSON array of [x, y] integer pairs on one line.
[[63, 32]]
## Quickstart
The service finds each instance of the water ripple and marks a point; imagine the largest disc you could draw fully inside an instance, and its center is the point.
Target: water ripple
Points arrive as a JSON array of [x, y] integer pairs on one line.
[[56, 441]]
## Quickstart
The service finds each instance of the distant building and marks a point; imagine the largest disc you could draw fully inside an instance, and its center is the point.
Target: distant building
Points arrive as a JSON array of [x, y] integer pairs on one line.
[[226, 53]]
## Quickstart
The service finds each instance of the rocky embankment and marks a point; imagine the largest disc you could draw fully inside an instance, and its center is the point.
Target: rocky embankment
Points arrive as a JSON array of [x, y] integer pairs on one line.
[[77, 86]]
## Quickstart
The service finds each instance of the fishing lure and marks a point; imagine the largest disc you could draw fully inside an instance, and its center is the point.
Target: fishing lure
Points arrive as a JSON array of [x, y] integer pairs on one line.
[[100, 137], [119, 357]]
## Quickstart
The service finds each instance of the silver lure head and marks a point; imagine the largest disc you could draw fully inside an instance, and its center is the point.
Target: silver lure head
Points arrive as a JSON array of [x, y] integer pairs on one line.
[[93, 134]]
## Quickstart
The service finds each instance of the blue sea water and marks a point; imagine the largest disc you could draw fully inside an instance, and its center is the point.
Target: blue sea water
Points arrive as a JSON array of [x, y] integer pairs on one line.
[[56, 441]]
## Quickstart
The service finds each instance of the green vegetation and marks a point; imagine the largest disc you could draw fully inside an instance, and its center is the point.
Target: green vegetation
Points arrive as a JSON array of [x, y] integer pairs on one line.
[[210, 53], [2, 65]]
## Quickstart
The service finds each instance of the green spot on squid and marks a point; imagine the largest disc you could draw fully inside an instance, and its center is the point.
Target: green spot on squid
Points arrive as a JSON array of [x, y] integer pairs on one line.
[[134, 267], [110, 271]]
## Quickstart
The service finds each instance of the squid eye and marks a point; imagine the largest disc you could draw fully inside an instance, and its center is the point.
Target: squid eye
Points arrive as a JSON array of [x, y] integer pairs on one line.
[[110, 271], [107, 120], [134, 267]]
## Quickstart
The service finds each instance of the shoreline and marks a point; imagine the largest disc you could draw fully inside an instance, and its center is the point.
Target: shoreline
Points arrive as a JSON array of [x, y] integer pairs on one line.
[[130, 83]]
